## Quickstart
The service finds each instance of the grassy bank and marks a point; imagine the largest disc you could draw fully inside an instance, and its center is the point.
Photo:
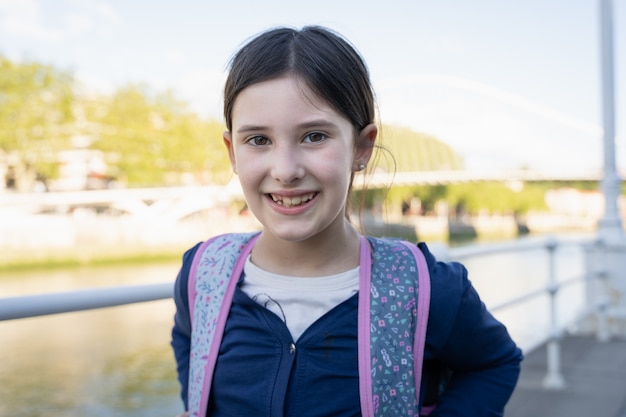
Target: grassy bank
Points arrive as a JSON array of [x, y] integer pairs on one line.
[[45, 259]]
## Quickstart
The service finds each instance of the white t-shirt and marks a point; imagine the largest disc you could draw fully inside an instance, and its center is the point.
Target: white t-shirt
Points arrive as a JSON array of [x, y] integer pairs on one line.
[[298, 301]]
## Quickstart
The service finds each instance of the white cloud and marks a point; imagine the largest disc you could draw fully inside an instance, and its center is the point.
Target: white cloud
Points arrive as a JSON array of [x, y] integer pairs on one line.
[[174, 56], [203, 90], [101, 9], [77, 23], [24, 18]]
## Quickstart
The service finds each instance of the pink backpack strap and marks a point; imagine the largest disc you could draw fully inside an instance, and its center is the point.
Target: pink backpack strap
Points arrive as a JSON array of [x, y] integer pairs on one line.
[[193, 272], [364, 348], [423, 308], [214, 274], [385, 286]]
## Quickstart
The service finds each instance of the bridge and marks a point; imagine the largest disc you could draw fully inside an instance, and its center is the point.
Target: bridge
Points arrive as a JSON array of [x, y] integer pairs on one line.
[[442, 177], [195, 198]]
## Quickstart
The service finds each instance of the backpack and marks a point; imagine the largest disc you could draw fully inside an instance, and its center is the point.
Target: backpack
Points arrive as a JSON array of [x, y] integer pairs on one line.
[[391, 302]]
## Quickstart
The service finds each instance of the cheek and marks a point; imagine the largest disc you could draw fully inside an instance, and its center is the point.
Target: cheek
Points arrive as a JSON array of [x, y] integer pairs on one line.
[[242, 168], [246, 163], [248, 174], [335, 168]]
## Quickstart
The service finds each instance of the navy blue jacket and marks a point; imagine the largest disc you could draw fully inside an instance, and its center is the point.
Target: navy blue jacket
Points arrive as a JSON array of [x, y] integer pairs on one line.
[[259, 373]]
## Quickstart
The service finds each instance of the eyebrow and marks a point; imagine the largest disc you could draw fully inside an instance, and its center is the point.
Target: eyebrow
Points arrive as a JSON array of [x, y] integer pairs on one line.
[[320, 123], [250, 128], [317, 123]]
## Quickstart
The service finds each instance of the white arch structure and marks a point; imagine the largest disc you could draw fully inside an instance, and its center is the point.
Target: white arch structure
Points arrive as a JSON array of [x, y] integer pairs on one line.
[[498, 95]]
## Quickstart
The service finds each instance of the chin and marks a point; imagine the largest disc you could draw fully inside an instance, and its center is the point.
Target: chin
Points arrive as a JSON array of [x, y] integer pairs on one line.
[[291, 236], [292, 233]]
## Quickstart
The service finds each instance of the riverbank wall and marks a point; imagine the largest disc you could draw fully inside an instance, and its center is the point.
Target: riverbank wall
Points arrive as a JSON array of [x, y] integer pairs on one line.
[[87, 238]]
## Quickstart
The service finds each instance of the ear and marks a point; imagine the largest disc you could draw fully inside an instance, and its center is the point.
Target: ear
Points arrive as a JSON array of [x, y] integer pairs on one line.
[[365, 145], [228, 141]]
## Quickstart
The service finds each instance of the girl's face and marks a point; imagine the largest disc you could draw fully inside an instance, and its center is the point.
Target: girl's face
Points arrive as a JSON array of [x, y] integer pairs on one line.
[[294, 156]]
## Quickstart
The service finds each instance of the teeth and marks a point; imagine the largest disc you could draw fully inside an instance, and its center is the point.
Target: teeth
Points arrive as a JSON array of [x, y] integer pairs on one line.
[[292, 201]]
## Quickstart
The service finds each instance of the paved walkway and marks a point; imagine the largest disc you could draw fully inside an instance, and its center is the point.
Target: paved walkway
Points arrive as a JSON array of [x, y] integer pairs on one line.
[[595, 378]]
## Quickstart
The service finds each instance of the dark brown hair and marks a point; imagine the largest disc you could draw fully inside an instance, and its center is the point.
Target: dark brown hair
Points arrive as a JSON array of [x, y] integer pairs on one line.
[[327, 64]]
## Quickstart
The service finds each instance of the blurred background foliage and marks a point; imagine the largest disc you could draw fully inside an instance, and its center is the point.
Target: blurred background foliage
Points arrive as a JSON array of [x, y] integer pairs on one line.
[[152, 138], [36, 118], [148, 138]]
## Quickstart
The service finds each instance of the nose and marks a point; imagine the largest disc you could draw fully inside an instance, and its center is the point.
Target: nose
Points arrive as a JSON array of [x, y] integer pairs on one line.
[[287, 164]]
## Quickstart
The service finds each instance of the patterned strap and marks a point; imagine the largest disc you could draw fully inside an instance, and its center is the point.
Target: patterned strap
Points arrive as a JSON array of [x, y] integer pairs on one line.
[[395, 325], [213, 277], [423, 308]]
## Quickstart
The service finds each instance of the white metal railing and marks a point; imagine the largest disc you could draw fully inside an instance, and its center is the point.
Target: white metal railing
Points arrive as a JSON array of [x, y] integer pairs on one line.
[[94, 298], [63, 302], [553, 378]]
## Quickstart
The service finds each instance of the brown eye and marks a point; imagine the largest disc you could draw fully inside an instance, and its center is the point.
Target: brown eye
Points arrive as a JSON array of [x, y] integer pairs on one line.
[[315, 137], [258, 141]]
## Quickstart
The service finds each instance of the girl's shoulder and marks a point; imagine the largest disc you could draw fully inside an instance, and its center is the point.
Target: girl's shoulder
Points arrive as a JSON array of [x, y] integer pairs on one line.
[[447, 276], [449, 282], [454, 302]]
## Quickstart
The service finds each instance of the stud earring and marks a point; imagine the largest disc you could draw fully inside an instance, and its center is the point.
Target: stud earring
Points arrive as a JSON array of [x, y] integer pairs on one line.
[[361, 167]]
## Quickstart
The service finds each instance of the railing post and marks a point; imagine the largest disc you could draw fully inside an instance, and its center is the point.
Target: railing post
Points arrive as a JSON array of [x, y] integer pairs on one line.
[[600, 280], [554, 378], [603, 333], [610, 225]]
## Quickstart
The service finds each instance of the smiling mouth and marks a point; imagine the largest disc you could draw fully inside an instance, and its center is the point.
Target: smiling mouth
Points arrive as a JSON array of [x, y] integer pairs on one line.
[[292, 201]]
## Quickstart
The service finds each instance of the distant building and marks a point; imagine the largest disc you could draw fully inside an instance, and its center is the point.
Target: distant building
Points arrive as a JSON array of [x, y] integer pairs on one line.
[[81, 169]]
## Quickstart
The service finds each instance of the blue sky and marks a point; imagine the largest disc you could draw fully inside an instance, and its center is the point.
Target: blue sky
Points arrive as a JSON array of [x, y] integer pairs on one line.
[[506, 83]]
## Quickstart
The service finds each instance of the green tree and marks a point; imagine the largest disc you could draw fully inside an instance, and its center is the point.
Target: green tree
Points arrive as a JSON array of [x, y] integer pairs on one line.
[[152, 139], [35, 114], [495, 197], [148, 138]]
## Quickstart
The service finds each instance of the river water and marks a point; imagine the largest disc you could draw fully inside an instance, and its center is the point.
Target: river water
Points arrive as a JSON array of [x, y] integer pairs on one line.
[[117, 361]]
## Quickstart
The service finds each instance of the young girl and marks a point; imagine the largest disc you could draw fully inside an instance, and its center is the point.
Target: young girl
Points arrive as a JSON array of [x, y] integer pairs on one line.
[[308, 317]]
